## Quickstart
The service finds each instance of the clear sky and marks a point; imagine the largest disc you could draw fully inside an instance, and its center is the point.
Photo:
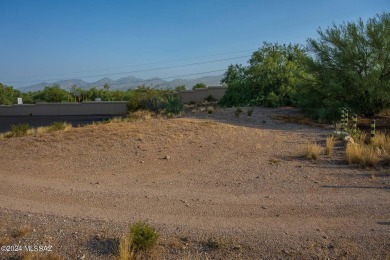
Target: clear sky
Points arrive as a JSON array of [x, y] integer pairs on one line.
[[89, 39]]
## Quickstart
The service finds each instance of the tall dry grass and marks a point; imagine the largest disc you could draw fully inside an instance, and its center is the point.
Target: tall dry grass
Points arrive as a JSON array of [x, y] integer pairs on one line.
[[330, 140], [361, 138], [124, 249], [312, 151], [361, 154], [379, 140]]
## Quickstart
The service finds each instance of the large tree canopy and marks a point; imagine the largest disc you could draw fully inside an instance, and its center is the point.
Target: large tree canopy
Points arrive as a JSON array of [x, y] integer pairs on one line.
[[347, 66], [352, 67], [271, 78]]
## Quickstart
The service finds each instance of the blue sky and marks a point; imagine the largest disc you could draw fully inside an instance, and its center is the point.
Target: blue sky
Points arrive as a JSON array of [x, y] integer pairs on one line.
[[50, 40]]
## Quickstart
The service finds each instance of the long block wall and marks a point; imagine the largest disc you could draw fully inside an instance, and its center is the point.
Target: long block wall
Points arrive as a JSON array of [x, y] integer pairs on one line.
[[66, 109], [100, 107]]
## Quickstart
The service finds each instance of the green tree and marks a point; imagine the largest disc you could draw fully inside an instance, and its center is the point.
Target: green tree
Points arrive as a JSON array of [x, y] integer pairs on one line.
[[51, 94], [272, 77], [76, 92], [8, 95], [352, 69], [199, 85], [180, 88], [106, 86]]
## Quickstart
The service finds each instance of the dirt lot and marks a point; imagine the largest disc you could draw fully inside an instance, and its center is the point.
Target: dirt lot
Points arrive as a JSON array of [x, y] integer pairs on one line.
[[215, 186]]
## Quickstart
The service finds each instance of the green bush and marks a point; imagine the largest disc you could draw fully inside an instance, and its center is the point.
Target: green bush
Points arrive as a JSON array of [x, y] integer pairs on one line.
[[19, 130], [155, 100], [199, 85], [210, 98], [250, 112], [57, 126], [173, 104], [238, 112], [142, 236]]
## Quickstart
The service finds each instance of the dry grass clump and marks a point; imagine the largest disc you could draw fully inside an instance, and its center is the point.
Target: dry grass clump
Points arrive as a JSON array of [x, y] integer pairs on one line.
[[361, 154], [312, 151], [124, 249], [237, 112], [22, 231], [329, 145], [354, 153], [24, 129], [140, 115], [379, 140], [139, 243], [5, 241], [361, 138], [210, 109], [116, 119]]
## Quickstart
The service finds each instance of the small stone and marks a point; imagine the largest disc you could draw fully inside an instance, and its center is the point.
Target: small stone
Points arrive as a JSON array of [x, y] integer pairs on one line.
[[167, 157], [263, 207]]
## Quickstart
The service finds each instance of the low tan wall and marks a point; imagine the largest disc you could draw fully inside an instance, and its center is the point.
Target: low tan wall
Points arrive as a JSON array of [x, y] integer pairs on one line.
[[198, 95], [66, 109]]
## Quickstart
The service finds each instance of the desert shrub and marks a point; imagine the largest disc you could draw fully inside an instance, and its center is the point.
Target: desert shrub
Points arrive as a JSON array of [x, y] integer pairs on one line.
[[155, 100], [145, 98], [379, 140], [139, 115], [358, 136], [238, 112], [210, 98], [354, 153], [22, 231], [312, 151], [361, 154], [56, 126], [19, 130], [174, 104], [210, 110], [249, 112], [199, 85], [142, 236], [215, 243], [329, 144]]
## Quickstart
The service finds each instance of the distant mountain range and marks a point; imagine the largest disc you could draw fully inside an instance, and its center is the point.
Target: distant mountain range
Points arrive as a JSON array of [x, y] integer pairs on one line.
[[127, 83]]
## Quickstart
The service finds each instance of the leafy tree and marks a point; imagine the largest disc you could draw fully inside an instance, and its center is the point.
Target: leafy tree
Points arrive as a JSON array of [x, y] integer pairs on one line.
[[352, 69], [106, 86], [237, 92], [76, 92], [51, 94], [180, 88], [199, 85], [8, 95], [271, 79]]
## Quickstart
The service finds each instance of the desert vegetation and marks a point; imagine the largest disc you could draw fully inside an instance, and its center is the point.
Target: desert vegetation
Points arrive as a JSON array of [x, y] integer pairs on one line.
[[347, 66]]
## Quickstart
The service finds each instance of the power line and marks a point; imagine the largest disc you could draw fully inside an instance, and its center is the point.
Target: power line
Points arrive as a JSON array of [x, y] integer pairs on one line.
[[135, 71], [122, 67]]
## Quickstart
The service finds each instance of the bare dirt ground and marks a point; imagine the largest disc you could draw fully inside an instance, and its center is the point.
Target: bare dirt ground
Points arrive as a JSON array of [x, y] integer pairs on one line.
[[215, 186]]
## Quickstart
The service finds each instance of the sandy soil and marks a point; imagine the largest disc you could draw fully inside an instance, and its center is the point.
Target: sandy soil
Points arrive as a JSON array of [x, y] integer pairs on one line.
[[239, 181]]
